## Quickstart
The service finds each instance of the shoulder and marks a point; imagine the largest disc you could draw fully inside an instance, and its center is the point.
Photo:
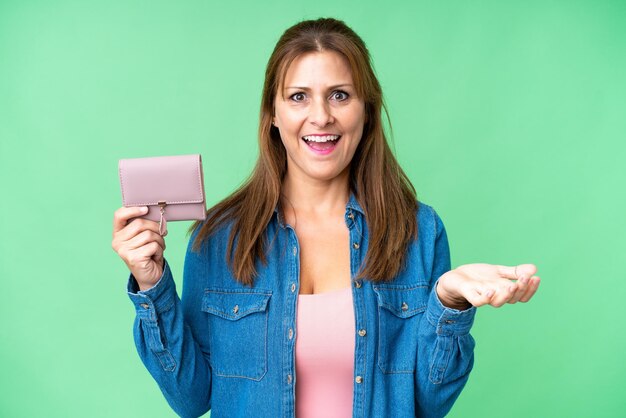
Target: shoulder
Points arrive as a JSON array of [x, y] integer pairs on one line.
[[428, 220]]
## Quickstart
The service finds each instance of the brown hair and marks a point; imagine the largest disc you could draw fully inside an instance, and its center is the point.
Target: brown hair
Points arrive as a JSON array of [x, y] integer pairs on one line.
[[380, 186]]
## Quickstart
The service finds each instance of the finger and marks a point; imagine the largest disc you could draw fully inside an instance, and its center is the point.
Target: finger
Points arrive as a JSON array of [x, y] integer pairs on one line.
[[145, 238], [151, 250], [503, 294], [135, 228], [533, 285], [123, 214], [479, 296], [143, 255], [158, 258], [522, 286], [517, 272]]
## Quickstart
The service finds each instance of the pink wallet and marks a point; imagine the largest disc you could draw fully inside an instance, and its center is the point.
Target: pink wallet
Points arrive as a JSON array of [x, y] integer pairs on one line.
[[171, 187]]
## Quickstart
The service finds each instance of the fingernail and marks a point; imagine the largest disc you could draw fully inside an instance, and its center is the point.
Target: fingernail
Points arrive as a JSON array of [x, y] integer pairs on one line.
[[144, 208], [489, 293]]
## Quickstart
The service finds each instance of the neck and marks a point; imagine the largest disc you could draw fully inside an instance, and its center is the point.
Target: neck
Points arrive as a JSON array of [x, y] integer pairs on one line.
[[316, 197]]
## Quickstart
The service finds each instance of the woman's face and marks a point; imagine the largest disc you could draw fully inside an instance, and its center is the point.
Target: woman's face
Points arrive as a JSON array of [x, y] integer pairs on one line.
[[319, 116]]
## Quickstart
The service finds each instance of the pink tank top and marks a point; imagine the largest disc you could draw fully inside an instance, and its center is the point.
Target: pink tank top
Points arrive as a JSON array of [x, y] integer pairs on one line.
[[325, 354]]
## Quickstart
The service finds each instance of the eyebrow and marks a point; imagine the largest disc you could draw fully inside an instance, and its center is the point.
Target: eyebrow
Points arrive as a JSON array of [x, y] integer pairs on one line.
[[329, 88]]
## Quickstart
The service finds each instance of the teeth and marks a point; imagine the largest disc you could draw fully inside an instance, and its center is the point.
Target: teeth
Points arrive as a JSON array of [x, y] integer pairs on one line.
[[324, 138]]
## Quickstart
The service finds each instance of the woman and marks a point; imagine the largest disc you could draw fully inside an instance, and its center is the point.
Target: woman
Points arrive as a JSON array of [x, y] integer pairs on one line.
[[321, 287]]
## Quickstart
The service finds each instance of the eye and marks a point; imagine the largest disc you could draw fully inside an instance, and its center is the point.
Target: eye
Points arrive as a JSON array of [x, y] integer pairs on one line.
[[298, 97], [339, 95]]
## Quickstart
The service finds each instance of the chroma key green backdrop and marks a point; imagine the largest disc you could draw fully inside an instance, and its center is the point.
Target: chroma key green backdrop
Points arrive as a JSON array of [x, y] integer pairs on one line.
[[509, 117]]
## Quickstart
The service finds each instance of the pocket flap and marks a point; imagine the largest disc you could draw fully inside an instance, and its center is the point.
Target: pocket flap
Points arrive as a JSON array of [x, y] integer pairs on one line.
[[234, 304], [402, 300]]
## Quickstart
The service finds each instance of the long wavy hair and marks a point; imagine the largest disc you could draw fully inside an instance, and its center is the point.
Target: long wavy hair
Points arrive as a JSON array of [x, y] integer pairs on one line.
[[378, 182]]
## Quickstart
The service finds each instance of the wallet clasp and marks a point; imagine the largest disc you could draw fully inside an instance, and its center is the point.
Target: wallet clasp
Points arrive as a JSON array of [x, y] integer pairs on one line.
[[162, 221]]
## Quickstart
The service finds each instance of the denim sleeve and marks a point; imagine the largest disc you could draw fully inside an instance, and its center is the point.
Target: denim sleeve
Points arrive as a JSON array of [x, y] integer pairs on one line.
[[167, 347], [446, 348]]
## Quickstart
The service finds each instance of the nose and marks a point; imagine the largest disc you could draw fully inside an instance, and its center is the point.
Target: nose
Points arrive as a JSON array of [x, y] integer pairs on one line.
[[320, 113]]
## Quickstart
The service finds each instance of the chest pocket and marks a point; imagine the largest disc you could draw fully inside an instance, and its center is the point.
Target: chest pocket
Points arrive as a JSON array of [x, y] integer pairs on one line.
[[237, 331], [400, 308]]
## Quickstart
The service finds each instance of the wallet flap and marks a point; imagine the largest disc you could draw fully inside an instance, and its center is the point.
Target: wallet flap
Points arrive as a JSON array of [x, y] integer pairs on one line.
[[173, 179]]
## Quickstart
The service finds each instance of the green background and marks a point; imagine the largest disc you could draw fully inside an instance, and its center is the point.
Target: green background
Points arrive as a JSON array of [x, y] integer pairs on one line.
[[509, 117]]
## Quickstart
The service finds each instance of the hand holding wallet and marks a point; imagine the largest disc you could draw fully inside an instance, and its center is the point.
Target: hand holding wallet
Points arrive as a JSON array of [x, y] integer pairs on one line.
[[171, 187]]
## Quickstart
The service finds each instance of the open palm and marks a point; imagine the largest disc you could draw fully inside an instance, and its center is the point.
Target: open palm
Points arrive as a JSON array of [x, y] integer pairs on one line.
[[487, 284]]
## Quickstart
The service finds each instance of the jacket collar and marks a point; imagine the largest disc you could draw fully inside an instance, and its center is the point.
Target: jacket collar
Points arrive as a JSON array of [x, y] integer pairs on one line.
[[354, 204]]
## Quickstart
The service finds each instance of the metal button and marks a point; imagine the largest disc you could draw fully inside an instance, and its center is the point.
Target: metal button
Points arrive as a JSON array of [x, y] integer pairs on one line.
[[405, 307], [145, 306], [362, 332], [355, 245], [357, 283], [358, 379], [295, 250], [236, 309], [351, 215], [290, 333], [293, 287], [289, 378], [449, 321]]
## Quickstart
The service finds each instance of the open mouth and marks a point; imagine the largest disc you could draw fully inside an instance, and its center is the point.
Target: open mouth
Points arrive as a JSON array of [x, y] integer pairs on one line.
[[321, 144]]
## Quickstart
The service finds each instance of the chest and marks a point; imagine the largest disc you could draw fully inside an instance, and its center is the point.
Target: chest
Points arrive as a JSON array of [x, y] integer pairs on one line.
[[324, 258]]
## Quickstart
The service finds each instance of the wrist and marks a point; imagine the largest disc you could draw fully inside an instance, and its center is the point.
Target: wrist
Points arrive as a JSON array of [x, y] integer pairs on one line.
[[449, 299], [144, 283], [144, 286]]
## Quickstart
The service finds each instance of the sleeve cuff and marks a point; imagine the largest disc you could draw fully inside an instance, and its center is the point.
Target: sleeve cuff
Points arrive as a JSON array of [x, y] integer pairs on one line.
[[159, 298], [448, 321]]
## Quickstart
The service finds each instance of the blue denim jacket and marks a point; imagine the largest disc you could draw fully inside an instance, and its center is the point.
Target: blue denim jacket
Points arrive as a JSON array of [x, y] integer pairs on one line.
[[230, 349]]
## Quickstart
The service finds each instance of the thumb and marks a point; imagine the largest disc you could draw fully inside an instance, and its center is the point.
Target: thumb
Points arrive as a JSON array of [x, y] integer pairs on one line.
[[525, 270], [517, 272]]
